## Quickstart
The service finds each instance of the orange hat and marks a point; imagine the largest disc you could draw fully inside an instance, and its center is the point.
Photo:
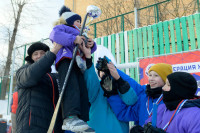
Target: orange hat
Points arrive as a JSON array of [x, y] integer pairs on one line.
[[162, 69]]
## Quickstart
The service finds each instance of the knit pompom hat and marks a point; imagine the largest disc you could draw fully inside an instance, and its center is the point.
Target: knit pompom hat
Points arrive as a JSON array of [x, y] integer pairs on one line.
[[183, 84], [68, 15], [34, 47], [162, 69]]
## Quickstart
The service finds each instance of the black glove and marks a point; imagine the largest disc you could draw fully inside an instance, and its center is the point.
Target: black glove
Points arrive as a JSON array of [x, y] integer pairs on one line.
[[148, 128], [109, 86], [137, 129], [109, 93], [123, 86], [88, 62], [102, 65]]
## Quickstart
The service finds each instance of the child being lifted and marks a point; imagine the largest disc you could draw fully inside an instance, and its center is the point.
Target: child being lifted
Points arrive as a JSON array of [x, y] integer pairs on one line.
[[75, 105]]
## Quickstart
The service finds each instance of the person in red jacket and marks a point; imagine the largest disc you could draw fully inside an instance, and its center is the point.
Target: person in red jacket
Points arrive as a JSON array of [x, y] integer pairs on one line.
[[14, 105]]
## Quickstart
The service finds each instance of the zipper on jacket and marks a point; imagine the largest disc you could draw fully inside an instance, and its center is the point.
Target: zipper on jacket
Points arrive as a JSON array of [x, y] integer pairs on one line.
[[30, 118], [53, 90]]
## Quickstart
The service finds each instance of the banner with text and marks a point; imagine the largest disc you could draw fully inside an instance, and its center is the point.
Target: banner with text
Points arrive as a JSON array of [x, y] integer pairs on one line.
[[186, 62]]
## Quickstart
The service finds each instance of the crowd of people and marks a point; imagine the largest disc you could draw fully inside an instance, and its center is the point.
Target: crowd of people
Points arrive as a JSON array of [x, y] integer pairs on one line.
[[104, 101]]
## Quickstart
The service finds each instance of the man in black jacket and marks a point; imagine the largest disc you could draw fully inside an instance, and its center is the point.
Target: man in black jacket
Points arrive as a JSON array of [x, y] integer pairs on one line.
[[37, 91]]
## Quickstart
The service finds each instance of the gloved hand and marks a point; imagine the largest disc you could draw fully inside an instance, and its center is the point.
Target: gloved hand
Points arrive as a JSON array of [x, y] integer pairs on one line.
[[110, 93], [109, 86], [148, 128], [123, 86], [137, 129]]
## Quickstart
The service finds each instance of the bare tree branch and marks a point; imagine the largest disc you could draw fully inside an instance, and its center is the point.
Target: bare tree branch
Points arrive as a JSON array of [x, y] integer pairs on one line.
[[22, 18]]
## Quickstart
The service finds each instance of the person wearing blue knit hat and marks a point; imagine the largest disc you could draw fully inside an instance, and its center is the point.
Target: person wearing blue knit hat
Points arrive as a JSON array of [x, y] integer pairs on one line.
[[75, 104]]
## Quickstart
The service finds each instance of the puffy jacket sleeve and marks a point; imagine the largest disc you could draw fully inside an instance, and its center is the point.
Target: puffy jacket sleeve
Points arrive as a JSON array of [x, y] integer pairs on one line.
[[63, 35], [191, 125], [129, 98], [92, 83], [30, 75], [94, 48], [121, 105], [126, 92], [122, 111]]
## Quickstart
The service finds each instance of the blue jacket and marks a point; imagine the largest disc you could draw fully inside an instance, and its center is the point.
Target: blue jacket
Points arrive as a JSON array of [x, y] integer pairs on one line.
[[137, 112], [101, 117]]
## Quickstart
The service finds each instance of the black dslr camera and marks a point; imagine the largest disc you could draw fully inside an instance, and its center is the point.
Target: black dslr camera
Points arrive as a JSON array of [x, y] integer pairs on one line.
[[102, 64]]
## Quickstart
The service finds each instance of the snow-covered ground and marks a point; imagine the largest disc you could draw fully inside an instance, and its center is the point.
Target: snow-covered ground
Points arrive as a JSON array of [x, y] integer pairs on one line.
[[3, 110]]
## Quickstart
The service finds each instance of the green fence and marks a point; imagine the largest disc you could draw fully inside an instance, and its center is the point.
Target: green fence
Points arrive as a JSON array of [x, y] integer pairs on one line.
[[177, 35], [147, 15]]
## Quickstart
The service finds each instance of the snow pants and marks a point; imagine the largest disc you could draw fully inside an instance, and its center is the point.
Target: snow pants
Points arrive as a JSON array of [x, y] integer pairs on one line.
[[75, 97]]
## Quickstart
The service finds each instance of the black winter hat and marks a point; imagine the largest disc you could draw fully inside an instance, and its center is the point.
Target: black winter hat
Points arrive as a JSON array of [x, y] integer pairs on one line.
[[34, 47], [183, 85]]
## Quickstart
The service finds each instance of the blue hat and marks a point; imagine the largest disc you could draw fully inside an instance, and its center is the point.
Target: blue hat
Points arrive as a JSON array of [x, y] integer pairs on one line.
[[68, 15]]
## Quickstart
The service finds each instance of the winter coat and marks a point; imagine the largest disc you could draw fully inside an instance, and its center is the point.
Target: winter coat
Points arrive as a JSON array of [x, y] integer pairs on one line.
[[101, 117], [137, 112], [186, 121], [65, 35], [37, 96], [14, 102]]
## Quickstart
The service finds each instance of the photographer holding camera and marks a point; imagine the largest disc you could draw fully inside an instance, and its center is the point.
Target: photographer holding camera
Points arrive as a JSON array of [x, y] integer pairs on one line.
[[102, 119]]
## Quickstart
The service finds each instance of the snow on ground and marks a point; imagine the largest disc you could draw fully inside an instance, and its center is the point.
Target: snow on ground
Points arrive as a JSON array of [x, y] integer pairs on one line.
[[3, 110]]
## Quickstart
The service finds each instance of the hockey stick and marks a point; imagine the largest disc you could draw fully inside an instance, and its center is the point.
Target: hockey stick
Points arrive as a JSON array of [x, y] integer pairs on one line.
[[92, 13]]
